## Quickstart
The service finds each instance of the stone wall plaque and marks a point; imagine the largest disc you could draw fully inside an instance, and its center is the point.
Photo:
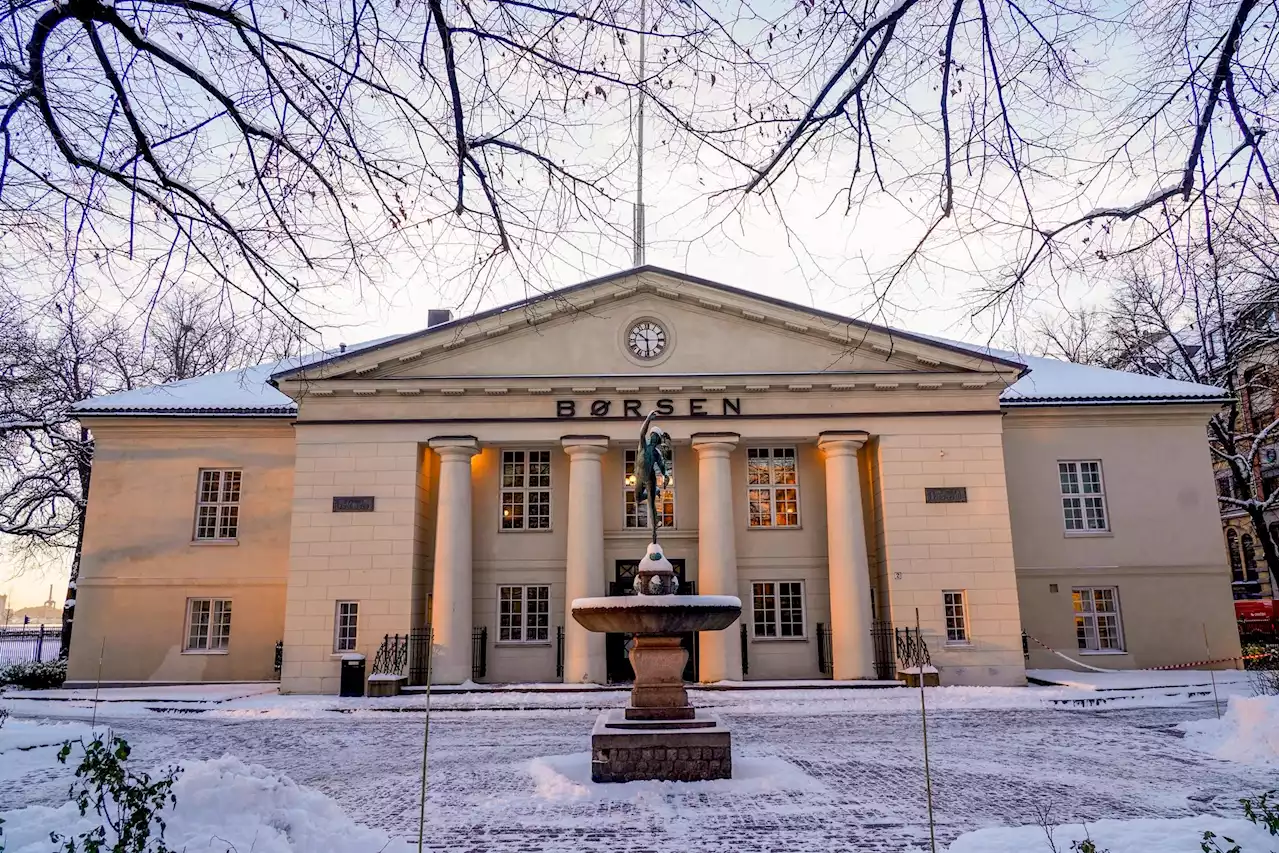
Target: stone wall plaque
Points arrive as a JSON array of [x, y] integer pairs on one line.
[[948, 495], [349, 503]]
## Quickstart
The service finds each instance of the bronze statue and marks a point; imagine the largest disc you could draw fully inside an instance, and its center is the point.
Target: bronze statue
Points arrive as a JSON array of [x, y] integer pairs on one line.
[[653, 468]]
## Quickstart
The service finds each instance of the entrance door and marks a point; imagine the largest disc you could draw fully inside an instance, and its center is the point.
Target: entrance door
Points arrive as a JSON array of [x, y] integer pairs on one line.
[[616, 646]]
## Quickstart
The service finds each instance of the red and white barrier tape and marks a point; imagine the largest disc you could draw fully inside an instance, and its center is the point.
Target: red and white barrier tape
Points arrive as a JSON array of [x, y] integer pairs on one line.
[[1191, 665]]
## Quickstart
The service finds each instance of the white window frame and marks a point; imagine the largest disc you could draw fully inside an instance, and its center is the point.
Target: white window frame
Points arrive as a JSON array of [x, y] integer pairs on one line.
[[635, 516], [218, 492], [1086, 620], [769, 491], [346, 626], [955, 615], [511, 495], [1084, 498], [770, 592], [526, 632], [213, 625]]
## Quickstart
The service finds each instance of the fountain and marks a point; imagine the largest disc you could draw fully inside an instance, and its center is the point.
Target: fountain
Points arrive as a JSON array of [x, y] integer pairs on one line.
[[659, 735]]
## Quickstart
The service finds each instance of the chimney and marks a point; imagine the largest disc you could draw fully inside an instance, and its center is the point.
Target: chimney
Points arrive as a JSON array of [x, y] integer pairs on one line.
[[438, 317]]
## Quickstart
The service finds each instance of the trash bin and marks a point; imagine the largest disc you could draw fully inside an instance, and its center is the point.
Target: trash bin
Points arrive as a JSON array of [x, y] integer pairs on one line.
[[352, 681]]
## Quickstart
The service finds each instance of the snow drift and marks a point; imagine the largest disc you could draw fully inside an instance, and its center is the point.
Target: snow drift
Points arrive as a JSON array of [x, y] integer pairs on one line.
[[223, 805], [1247, 733]]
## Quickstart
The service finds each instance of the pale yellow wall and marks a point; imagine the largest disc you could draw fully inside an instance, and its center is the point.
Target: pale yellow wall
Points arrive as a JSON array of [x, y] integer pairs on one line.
[[370, 557], [929, 548], [141, 564], [1164, 550]]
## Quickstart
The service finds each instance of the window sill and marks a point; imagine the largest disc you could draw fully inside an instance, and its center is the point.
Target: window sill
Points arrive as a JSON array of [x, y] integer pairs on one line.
[[522, 644], [523, 530], [1100, 652], [1087, 534], [957, 644], [205, 651], [341, 655], [751, 529], [217, 543], [779, 639]]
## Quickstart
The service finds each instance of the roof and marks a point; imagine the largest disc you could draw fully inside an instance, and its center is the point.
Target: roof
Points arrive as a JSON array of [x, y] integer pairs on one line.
[[249, 392]]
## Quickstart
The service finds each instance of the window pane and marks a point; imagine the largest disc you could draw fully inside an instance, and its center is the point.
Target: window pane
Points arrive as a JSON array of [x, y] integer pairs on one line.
[[539, 511], [953, 605], [209, 486], [228, 522], [1072, 514], [790, 610], [760, 503], [784, 466], [198, 633], [757, 466], [512, 510], [221, 630], [231, 486], [764, 607], [1068, 478], [207, 522], [1090, 478]]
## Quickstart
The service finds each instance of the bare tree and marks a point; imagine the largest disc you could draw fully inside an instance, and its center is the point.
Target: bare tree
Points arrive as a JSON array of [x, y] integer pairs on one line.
[[52, 356], [1208, 318]]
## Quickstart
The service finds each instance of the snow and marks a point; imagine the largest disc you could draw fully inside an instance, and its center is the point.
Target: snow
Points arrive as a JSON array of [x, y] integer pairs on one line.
[[149, 693], [223, 805], [20, 734], [249, 391], [1132, 679], [627, 602], [1169, 835], [245, 391], [568, 777], [1246, 733]]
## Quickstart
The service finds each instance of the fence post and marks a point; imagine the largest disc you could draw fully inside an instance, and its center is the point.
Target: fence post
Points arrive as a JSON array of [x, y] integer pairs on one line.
[[40, 644], [743, 637]]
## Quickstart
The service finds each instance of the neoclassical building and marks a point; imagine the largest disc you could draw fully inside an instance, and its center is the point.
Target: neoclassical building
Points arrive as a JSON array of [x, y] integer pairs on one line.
[[472, 479]]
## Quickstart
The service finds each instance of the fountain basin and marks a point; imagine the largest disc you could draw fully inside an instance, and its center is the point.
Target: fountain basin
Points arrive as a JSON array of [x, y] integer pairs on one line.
[[656, 614]]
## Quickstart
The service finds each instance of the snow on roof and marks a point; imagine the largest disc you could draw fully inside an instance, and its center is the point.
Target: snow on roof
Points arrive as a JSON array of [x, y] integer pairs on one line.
[[1050, 382], [244, 392], [249, 392]]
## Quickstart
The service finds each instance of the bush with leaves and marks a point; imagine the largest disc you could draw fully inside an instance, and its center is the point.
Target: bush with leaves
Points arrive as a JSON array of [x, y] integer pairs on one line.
[[1257, 810], [35, 675], [1263, 667], [128, 802]]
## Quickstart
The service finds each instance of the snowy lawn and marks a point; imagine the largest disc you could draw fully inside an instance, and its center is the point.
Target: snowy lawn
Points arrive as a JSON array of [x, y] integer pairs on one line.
[[817, 770]]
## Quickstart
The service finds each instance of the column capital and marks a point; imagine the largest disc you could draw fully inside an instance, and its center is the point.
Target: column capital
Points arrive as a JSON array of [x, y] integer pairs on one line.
[[461, 447], [714, 444], [841, 442], [585, 446]]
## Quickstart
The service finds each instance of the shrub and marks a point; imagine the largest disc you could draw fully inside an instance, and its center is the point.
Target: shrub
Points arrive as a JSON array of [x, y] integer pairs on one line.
[[1261, 662], [129, 803], [35, 675]]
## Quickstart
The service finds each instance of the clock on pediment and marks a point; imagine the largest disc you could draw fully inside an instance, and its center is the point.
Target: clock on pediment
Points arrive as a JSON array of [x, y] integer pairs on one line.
[[647, 339]]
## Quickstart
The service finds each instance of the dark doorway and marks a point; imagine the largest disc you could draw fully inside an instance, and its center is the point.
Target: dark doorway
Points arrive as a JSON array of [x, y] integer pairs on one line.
[[617, 664]]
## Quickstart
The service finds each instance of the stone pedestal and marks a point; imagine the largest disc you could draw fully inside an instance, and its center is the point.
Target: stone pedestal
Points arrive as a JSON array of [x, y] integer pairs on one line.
[[691, 750], [658, 692], [385, 685]]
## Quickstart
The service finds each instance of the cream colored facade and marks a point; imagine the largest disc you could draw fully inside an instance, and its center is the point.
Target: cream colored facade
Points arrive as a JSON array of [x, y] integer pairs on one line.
[[872, 417]]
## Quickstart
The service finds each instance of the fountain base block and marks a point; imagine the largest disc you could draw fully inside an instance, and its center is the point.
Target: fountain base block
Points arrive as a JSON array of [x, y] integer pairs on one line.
[[629, 750]]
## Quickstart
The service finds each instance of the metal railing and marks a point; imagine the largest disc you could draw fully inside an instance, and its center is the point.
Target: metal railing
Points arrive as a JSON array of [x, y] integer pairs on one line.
[[560, 652], [910, 648], [824, 649], [392, 656], [883, 646], [278, 663], [419, 656], [22, 645], [743, 641], [479, 652]]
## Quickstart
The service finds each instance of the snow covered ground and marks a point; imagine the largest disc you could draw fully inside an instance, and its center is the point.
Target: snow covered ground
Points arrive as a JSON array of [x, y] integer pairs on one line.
[[818, 770]]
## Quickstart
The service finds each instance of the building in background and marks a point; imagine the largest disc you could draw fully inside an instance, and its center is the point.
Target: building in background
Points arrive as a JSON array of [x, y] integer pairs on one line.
[[460, 486]]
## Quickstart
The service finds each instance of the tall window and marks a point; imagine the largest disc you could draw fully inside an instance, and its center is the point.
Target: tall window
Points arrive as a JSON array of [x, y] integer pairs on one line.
[[637, 514], [524, 614], [773, 492], [1084, 506], [208, 624], [778, 608], [1233, 554], [344, 626], [218, 505], [526, 490], [957, 623], [1097, 612], [1250, 557]]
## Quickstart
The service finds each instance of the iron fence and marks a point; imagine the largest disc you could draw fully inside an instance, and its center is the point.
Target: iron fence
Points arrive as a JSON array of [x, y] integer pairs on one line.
[[883, 646], [479, 652], [560, 652], [742, 635], [278, 664], [420, 656], [910, 648], [824, 649], [27, 644], [392, 656]]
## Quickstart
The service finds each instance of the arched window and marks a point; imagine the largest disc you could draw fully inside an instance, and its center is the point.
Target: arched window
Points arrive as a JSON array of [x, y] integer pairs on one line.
[[1233, 553], [1250, 560]]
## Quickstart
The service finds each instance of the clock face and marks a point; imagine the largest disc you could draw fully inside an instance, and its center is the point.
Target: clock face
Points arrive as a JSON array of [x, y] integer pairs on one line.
[[647, 339]]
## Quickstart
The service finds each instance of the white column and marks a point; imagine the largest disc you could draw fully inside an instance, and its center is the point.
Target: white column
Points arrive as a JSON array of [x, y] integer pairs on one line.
[[852, 654], [584, 659], [719, 656], [451, 587]]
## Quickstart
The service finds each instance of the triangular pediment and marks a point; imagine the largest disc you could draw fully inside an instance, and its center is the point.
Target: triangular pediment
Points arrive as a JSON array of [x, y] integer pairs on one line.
[[707, 329]]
